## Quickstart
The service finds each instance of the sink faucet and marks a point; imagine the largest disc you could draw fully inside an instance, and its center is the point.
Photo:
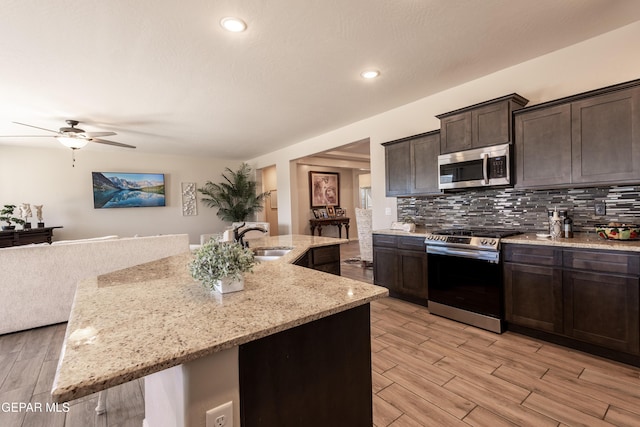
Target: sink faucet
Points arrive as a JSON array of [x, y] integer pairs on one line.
[[238, 236]]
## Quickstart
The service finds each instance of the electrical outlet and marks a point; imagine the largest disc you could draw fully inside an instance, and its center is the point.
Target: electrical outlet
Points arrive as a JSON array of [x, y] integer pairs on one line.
[[220, 416], [601, 208]]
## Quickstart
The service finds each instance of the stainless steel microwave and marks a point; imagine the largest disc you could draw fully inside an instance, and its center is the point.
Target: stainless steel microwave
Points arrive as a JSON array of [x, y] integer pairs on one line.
[[480, 167]]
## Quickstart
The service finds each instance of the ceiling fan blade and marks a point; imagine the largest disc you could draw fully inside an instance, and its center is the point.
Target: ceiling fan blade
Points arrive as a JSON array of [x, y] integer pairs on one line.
[[117, 144], [26, 136], [99, 134], [31, 126]]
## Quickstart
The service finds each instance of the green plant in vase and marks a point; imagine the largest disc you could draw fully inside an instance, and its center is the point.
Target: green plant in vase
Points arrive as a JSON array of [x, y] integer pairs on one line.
[[220, 266], [6, 215], [236, 199]]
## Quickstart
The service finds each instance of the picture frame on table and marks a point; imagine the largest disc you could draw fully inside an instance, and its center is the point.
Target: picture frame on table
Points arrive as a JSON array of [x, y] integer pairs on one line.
[[316, 213], [324, 189], [331, 211], [340, 212]]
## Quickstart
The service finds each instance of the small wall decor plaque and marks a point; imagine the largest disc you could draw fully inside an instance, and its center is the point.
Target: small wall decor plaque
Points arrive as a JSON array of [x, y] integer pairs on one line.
[[189, 206]]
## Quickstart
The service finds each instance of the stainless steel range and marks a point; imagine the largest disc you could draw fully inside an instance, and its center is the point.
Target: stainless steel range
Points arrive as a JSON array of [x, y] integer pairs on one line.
[[465, 276]]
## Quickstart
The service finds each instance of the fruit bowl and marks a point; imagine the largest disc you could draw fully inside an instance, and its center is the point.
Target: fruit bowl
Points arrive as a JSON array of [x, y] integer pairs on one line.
[[618, 231]]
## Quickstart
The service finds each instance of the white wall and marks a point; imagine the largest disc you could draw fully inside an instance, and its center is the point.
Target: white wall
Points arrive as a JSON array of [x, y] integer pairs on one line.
[[608, 59], [45, 176]]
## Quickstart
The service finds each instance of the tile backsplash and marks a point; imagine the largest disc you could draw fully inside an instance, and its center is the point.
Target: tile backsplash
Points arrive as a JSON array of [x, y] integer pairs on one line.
[[524, 210]]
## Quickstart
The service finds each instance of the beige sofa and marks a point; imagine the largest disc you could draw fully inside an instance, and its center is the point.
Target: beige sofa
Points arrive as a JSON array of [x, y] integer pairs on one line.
[[38, 282]]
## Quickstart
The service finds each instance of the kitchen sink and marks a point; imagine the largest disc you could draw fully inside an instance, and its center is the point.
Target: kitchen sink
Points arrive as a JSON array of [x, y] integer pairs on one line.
[[270, 254]]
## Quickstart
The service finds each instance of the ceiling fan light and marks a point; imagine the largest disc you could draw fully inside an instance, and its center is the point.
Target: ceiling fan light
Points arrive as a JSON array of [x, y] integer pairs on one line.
[[370, 74], [71, 142], [235, 25]]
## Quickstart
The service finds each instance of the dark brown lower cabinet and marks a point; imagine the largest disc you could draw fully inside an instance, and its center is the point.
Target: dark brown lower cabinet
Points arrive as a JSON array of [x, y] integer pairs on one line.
[[585, 299], [316, 374], [400, 265], [323, 258], [602, 309], [533, 296]]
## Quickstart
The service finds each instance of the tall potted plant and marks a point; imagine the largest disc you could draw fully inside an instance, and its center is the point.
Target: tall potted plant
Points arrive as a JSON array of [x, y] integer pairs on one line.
[[236, 198]]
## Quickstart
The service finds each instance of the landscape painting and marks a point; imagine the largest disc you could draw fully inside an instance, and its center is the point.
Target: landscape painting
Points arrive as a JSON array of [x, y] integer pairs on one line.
[[127, 190]]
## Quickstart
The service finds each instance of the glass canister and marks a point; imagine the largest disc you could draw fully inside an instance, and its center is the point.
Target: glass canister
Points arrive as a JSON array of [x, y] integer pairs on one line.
[[567, 231]]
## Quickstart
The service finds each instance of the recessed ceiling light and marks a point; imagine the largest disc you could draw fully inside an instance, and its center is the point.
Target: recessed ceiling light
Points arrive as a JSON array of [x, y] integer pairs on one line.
[[235, 25], [370, 74]]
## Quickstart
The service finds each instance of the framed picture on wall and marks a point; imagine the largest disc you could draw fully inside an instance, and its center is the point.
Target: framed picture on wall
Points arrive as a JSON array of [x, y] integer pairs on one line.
[[127, 190], [324, 189]]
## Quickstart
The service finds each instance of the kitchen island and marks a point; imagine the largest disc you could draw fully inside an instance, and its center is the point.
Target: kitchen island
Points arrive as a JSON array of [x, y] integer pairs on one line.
[[292, 348]]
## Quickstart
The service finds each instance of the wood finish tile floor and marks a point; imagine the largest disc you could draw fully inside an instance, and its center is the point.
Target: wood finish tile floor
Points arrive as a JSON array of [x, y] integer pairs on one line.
[[431, 371], [427, 371]]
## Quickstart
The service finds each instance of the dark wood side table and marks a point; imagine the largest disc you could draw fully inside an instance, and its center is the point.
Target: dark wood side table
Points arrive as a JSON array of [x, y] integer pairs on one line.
[[26, 236], [338, 222]]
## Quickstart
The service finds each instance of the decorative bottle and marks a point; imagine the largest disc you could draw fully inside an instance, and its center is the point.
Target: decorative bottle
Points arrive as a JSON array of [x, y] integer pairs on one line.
[[556, 226]]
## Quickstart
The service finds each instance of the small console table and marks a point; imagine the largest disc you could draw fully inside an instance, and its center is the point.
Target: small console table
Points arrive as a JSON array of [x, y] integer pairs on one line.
[[26, 236], [319, 223]]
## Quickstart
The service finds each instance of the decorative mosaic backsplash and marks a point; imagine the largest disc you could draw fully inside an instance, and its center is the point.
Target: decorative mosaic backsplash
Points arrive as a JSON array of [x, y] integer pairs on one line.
[[525, 210]]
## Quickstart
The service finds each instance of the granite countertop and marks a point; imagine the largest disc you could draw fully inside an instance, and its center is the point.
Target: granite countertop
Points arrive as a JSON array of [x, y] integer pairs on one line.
[[420, 232], [144, 319], [580, 240]]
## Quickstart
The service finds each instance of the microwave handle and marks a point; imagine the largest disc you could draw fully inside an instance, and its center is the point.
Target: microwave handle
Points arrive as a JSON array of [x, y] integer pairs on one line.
[[485, 167]]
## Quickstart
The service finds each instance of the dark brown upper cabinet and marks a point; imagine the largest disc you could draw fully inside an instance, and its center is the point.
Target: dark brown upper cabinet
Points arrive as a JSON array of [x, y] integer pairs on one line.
[[396, 163], [479, 125], [605, 132], [411, 165], [587, 139], [543, 147]]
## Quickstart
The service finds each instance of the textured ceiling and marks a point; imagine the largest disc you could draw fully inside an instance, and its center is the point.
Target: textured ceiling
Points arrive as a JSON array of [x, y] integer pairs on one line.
[[166, 77]]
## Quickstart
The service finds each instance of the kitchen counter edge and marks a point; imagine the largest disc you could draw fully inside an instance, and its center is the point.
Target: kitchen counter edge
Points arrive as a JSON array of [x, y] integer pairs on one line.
[[580, 240]]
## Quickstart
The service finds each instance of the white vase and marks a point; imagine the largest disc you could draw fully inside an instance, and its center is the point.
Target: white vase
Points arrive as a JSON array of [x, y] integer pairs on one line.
[[229, 284]]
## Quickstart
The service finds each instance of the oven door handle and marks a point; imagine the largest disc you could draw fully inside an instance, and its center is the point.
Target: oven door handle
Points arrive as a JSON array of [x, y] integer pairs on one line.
[[485, 167], [490, 256]]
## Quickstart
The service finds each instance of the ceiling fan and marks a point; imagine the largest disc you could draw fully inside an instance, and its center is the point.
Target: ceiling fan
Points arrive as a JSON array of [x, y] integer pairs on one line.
[[73, 137]]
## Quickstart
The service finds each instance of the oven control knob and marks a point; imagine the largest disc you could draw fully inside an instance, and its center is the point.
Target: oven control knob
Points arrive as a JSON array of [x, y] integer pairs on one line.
[[493, 242]]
